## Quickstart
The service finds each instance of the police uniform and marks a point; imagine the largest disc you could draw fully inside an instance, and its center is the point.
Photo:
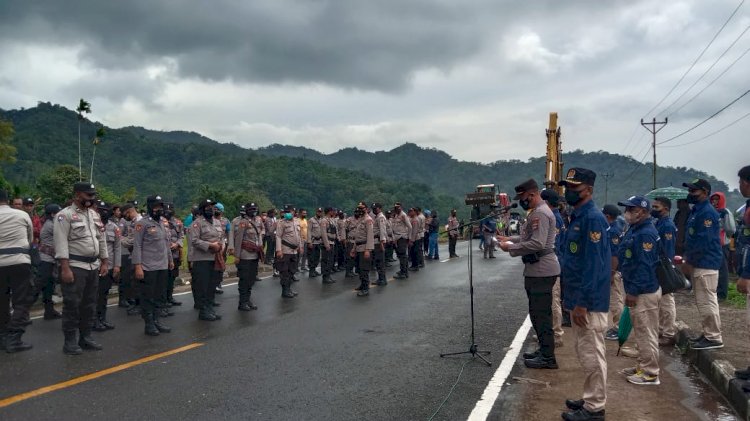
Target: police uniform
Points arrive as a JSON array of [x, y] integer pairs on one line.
[[270, 239], [16, 237], [536, 246], [617, 291], [351, 262], [389, 246], [586, 267], [303, 231], [452, 229], [288, 243], [80, 244], [247, 243], [401, 226], [314, 242], [667, 309], [112, 238], [341, 241], [152, 254], [363, 243], [638, 256], [204, 232], [131, 288], [704, 253], [47, 271], [329, 236], [553, 200], [176, 238], [380, 236], [420, 238]]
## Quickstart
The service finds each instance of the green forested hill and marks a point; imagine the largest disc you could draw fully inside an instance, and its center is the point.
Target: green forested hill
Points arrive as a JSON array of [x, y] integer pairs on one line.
[[185, 166]]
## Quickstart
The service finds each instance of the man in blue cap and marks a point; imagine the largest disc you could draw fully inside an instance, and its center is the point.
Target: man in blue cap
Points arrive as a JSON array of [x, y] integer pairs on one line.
[[638, 256], [586, 266], [660, 208], [703, 255]]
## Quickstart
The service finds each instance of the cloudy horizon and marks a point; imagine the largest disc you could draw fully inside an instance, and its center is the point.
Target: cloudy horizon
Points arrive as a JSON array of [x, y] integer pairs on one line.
[[475, 79]]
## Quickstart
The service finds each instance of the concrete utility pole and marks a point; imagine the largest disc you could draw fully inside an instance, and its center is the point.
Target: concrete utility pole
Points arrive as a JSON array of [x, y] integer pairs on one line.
[[654, 130], [606, 176]]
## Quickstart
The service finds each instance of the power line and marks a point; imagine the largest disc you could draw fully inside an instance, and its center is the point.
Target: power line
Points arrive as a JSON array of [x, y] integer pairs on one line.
[[710, 83], [695, 61], [702, 122], [706, 71], [710, 134], [638, 164]]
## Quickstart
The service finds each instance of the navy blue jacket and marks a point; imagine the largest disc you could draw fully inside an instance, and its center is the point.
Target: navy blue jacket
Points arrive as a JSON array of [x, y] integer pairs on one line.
[[586, 260], [667, 236], [702, 243], [560, 227], [616, 231], [743, 246], [638, 256]]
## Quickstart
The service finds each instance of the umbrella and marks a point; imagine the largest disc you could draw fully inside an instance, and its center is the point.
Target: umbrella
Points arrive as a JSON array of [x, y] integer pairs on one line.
[[673, 193], [623, 330]]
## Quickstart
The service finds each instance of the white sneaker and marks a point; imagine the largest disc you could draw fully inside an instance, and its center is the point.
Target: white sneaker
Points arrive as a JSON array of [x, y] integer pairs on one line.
[[643, 379]]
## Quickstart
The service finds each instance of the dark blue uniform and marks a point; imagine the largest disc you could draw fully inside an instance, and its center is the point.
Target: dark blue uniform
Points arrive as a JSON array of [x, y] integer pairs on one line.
[[667, 236], [702, 243], [743, 247], [559, 235], [638, 256], [587, 260], [616, 231]]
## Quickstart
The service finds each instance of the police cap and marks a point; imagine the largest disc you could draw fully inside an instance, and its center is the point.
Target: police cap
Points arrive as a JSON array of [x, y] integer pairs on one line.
[[526, 186], [152, 201], [84, 187], [612, 210], [551, 196], [578, 176]]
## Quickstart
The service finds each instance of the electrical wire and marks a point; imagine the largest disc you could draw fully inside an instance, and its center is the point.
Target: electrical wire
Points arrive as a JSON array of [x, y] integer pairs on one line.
[[704, 121], [662, 112], [451, 391], [710, 134], [695, 61], [638, 165], [710, 83]]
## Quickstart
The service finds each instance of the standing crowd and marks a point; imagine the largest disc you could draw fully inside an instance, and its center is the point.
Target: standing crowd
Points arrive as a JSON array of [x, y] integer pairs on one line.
[[90, 245]]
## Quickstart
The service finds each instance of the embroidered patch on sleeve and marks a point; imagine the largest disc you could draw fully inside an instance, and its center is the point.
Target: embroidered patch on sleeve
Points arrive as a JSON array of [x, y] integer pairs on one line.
[[648, 246], [595, 236], [708, 223]]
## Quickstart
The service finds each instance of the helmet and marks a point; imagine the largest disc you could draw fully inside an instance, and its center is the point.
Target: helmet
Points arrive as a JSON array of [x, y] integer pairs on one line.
[[220, 207], [52, 209]]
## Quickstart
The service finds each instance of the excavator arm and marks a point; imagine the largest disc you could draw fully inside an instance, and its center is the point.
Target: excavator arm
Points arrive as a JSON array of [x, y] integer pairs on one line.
[[554, 167]]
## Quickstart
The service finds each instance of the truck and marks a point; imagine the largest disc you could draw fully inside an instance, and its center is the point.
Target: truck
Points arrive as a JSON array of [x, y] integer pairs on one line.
[[488, 197]]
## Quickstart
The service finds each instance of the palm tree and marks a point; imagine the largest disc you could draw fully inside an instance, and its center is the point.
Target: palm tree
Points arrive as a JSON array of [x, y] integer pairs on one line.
[[83, 107], [97, 140]]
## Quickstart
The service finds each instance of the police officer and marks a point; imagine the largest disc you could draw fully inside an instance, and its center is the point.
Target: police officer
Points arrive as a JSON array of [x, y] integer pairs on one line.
[[401, 226], [702, 256], [16, 237], [288, 243], [328, 244], [46, 277], [380, 236], [452, 229], [536, 246], [270, 240], [638, 257], [246, 245], [341, 240], [389, 246], [176, 238], [586, 269], [112, 238], [152, 261], [315, 242], [743, 246], [218, 274], [351, 262], [207, 241], [617, 292], [126, 289], [489, 227], [303, 229], [363, 242], [553, 201], [667, 231], [81, 251]]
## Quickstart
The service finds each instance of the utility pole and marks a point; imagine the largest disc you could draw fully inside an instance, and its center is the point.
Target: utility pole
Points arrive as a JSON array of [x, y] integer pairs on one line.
[[606, 176], [654, 130]]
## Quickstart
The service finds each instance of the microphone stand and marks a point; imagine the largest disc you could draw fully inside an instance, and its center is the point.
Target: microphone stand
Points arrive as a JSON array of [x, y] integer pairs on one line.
[[473, 348]]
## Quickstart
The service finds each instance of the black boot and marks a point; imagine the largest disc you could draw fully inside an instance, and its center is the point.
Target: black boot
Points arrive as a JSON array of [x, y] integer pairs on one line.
[[363, 292], [173, 302], [583, 415], [13, 343], [328, 280], [49, 311], [313, 273], [123, 302], [287, 293], [87, 342], [149, 326], [207, 314], [98, 326], [541, 361], [134, 310], [71, 345], [160, 327], [103, 320]]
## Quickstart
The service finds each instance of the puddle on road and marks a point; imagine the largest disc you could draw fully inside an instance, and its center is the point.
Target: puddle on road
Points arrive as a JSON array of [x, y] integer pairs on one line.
[[703, 401]]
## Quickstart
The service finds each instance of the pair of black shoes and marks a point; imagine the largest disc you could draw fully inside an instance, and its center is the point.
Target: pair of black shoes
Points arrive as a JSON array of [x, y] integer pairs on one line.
[[401, 275], [102, 325], [247, 306], [289, 293], [579, 413], [537, 360]]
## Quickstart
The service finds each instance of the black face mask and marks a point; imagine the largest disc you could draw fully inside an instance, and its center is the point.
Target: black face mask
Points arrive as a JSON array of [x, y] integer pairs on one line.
[[156, 214], [692, 199], [525, 204], [208, 214], [252, 213], [104, 215], [217, 213], [655, 214], [572, 197], [168, 214]]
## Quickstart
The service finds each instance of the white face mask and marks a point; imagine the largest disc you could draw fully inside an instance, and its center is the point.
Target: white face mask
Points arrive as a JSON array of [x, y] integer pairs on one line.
[[632, 217]]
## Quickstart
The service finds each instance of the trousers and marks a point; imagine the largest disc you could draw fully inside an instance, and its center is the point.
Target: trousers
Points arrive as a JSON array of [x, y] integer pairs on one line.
[[590, 349], [539, 293], [705, 282], [79, 300], [15, 290], [247, 272]]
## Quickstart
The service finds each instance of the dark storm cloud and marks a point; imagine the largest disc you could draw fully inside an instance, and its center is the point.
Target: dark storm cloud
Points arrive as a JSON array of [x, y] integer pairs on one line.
[[372, 45]]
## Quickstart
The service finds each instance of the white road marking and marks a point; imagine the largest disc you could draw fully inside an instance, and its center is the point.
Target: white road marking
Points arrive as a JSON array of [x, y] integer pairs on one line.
[[446, 260], [487, 401]]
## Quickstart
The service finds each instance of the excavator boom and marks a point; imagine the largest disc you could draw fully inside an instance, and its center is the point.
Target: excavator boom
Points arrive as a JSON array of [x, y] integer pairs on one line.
[[554, 167]]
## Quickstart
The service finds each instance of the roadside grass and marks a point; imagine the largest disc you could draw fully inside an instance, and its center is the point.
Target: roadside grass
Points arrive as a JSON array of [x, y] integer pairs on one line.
[[735, 298]]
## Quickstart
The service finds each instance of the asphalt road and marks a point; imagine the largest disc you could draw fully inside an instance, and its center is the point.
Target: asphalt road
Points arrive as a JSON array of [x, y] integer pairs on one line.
[[326, 355]]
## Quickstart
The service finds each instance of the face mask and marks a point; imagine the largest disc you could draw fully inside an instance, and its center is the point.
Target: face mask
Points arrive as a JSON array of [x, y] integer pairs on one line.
[[525, 204], [217, 213], [252, 213], [104, 215], [208, 214], [572, 197], [157, 213], [631, 217], [655, 214], [288, 216], [87, 203], [692, 199], [168, 214]]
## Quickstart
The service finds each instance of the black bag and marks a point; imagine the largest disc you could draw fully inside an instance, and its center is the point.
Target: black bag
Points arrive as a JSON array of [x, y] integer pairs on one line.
[[670, 277]]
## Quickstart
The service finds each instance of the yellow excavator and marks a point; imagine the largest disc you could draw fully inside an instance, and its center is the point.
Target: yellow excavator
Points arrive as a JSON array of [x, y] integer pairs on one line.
[[554, 167]]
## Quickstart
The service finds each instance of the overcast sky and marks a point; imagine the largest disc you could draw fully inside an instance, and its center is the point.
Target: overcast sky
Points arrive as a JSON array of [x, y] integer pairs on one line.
[[475, 78]]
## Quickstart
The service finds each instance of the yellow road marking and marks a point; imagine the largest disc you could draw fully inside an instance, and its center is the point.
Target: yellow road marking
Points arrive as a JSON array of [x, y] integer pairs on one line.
[[95, 375]]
